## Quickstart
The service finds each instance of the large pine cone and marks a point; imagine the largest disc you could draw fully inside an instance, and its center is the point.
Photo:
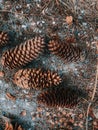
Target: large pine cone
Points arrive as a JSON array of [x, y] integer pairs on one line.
[[23, 53], [67, 52], [36, 78], [61, 97], [3, 38]]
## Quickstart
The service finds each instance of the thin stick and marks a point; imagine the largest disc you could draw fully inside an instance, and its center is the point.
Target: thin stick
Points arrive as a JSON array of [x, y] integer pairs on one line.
[[7, 11], [94, 91]]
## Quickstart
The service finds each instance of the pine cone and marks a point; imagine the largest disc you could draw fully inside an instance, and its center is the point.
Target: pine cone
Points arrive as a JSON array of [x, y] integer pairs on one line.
[[5, 124], [67, 52], [9, 126], [61, 97], [36, 78], [3, 38], [23, 53]]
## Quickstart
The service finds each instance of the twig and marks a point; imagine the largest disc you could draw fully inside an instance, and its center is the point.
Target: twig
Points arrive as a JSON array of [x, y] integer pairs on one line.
[[19, 14], [57, 2], [45, 6], [94, 91], [7, 11]]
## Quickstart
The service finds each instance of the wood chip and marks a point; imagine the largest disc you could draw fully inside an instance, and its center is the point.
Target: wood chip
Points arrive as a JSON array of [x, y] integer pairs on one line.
[[10, 96]]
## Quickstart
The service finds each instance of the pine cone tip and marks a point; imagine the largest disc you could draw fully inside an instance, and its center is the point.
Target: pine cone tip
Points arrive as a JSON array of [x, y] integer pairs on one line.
[[3, 38]]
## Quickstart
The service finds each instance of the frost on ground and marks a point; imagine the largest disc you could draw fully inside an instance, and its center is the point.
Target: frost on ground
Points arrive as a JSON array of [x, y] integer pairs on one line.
[[24, 19]]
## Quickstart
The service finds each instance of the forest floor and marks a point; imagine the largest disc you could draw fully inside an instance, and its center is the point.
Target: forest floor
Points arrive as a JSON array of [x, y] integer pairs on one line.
[[74, 21]]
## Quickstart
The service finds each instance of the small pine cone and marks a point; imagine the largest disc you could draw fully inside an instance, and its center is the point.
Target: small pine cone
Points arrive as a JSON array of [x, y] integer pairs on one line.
[[67, 52], [9, 126], [3, 38], [23, 53], [5, 124], [36, 78], [61, 97]]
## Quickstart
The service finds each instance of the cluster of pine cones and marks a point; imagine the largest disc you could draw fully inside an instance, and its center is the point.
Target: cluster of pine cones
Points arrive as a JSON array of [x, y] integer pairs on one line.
[[38, 78]]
